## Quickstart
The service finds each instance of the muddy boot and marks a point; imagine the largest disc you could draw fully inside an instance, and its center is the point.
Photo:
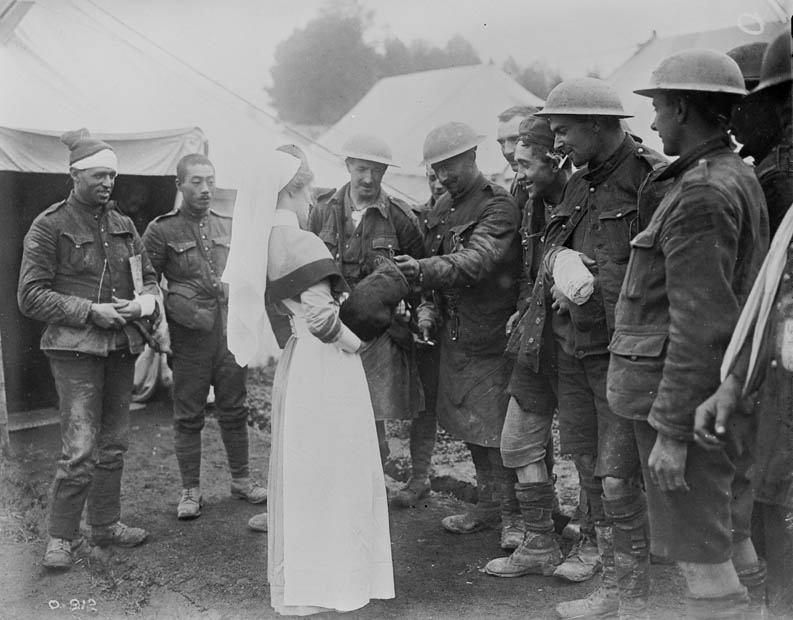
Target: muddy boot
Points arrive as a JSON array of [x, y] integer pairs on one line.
[[538, 552], [605, 601], [512, 523], [730, 607], [582, 562], [487, 512], [422, 441], [753, 579], [631, 553]]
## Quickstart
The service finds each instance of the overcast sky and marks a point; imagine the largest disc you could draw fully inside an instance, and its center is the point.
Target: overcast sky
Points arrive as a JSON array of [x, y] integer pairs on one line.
[[234, 40]]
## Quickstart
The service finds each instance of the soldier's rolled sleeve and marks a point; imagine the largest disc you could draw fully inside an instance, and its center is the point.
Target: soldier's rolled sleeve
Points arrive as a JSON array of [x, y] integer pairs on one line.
[[489, 244], [35, 296], [699, 241]]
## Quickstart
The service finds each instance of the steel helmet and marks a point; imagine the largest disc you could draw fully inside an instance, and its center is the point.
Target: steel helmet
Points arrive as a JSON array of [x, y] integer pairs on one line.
[[776, 63], [749, 58], [448, 140], [583, 96], [696, 70], [368, 147]]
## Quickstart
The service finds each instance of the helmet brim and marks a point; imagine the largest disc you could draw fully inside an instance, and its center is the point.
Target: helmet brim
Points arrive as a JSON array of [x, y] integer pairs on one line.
[[546, 112], [369, 157], [692, 88], [458, 150]]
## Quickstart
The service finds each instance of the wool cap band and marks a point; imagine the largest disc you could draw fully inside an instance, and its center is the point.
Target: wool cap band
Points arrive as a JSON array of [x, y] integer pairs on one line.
[[87, 151]]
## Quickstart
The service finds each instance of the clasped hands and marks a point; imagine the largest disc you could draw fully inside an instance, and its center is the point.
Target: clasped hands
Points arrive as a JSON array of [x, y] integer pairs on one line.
[[115, 314]]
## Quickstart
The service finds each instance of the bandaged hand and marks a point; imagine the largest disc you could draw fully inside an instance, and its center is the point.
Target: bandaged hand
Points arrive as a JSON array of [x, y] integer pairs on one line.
[[572, 276]]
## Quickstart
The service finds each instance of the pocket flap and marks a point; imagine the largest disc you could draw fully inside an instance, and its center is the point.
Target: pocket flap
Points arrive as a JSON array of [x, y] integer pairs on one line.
[[224, 241], [385, 243], [181, 290], [638, 345], [181, 246], [618, 215], [461, 228], [78, 239]]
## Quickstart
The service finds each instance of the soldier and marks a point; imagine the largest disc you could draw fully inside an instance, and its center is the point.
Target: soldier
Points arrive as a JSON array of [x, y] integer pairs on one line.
[[526, 436], [424, 428], [507, 135], [774, 456], [86, 275], [189, 246], [690, 271], [472, 268], [361, 224], [587, 246]]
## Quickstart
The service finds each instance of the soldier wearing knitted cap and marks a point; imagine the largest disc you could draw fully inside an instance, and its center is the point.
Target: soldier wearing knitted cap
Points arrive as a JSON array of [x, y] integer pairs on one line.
[[471, 272], [586, 252], [773, 378], [86, 275], [361, 225], [526, 436], [690, 272]]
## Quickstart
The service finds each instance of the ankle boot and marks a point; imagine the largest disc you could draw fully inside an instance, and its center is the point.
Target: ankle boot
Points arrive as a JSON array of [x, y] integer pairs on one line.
[[538, 553], [422, 441], [753, 579], [487, 511], [605, 601], [631, 552], [730, 607]]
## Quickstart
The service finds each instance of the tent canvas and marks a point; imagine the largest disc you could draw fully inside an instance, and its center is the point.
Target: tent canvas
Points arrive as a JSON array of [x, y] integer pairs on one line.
[[635, 72], [403, 109], [33, 175]]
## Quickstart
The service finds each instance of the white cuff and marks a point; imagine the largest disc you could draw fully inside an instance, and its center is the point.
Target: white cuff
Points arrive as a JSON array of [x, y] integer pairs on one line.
[[347, 340], [147, 303]]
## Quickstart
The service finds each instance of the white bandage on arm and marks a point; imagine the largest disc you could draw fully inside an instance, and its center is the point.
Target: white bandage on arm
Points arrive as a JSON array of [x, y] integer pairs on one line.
[[147, 302], [572, 277]]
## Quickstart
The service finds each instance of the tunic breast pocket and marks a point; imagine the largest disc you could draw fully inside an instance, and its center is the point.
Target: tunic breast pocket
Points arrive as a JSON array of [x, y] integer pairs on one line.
[[620, 227], [220, 252], [459, 235], [184, 257], [78, 252], [331, 240], [641, 265]]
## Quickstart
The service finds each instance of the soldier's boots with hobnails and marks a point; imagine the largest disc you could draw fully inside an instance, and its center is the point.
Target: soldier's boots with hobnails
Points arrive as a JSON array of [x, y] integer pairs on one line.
[[485, 514], [414, 491], [60, 552], [631, 553], [582, 562], [513, 530], [538, 553], [118, 534], [422, 441], [248, 489], [604, 602]]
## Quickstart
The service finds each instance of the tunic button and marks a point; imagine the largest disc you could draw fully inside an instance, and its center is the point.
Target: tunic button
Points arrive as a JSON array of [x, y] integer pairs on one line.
[[578, 207], [107, 244], [564, 226], [640, 150], [203, 236], [786, 277], [633, 358], [538, 320], [437, 236], [773, 363], [531, 340], [433, 251], [591, 189], [619, 214], [206, 247], [452, 209]]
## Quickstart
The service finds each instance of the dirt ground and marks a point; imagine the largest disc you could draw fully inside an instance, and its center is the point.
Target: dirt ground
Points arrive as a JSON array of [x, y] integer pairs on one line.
[[214, 568]]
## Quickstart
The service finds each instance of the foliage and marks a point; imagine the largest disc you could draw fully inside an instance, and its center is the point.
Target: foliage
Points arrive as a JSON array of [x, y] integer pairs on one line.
[[322, 70]]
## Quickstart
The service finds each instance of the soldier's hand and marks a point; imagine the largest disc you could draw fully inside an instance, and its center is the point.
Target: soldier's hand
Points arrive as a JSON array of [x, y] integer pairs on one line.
[[667, 464], [127, 308], [712, 416], [106, 316], [561, 303], [511, 322], [401, 312], [588, 262], [408, 265]]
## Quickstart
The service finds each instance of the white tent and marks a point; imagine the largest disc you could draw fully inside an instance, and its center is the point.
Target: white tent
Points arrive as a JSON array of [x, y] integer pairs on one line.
[[635, 72], [69, 64], [403, 109]]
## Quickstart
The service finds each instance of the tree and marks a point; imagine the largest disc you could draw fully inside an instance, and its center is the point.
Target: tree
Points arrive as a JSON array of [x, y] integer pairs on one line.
[[322, 70]]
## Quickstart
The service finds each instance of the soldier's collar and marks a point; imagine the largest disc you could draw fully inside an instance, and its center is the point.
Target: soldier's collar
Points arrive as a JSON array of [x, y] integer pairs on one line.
[[685, 161], [605, 170]]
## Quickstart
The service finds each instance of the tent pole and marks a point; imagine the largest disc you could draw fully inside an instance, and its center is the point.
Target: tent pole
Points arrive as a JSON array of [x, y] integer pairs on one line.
[[5, 443]]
